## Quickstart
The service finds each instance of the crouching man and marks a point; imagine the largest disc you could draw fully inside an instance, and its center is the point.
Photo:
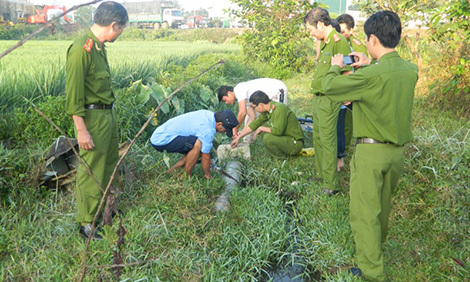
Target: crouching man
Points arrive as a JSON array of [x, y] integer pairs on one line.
[[283, 135], [191, 134], [274, 88]]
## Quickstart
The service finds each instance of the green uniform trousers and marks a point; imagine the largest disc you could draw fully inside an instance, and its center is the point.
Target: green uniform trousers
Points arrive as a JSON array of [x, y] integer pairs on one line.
[[325, 119], [102, 125], [348, 128], [375, 169], [281, 146]]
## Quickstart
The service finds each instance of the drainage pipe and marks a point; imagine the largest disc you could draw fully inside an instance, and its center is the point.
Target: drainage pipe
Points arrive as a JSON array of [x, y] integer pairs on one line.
[[234, 170]]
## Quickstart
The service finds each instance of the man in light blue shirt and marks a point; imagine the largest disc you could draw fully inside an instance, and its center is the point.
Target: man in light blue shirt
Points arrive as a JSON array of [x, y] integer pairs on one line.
[[191, 134]]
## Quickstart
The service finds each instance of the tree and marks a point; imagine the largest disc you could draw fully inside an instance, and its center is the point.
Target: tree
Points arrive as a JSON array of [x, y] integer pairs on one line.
[[277, 31], [84, 15], [451, 32], [449, 23], [409, 11]]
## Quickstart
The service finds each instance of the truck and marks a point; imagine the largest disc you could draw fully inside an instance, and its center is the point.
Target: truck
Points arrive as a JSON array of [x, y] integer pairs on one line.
[[154, 14], [5, 22], [46, 13]]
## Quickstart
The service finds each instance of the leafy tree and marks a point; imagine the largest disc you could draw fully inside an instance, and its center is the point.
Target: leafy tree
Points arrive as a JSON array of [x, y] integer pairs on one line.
[[418, 12], [452, 19], [277, 32], [84, 15], [451, 33]]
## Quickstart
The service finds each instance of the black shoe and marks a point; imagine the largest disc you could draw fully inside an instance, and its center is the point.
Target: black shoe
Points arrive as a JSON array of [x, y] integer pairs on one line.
[[86, 231], [355, 271], [330, 192]]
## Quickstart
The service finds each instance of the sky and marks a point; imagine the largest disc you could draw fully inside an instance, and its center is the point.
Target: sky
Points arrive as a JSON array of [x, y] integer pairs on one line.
[[214, 7]]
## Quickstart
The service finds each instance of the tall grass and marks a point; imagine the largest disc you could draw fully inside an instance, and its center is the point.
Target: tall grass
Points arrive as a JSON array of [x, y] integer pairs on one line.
[[36, 69]]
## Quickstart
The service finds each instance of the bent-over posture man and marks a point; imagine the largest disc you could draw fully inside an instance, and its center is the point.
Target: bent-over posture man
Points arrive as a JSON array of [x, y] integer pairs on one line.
[[89, 100], [274, 88], [282, 135], [191, 134], [382, 94]]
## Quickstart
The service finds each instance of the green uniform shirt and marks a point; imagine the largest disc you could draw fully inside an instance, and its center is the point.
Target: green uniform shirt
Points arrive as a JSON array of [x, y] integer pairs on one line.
[[328, 49], [356, 45], [382, 94], [281, 120], [88, 79]]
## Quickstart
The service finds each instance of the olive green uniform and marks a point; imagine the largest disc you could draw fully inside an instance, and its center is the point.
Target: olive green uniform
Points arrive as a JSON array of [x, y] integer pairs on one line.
[[88, 81], [383, 99], [325, 111], [356, 46], [286, 137]]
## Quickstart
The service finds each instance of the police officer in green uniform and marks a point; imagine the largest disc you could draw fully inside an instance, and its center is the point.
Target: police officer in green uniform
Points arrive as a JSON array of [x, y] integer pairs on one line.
[[89, 100], [282, 134], [325, 111], [383, 99], [346, 24]]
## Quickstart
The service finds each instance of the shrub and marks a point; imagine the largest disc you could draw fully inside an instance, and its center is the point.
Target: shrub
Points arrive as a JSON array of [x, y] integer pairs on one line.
[[35, 130], [15, 32], [277, 34], [213, 35], [451, 89]]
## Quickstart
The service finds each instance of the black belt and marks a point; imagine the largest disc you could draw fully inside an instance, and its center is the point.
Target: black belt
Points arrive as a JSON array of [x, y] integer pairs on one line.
[[319, 94], [366, 140], [98, 106]]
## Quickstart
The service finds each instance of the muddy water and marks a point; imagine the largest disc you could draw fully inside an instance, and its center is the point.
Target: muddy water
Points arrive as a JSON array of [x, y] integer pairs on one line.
[[292, 267]]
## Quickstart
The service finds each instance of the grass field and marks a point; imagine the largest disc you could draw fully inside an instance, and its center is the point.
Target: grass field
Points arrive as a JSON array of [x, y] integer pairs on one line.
[[36, 69], [170, 220]]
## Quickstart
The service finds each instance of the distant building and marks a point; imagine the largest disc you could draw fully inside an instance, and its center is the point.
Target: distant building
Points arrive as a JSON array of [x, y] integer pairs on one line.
[[16, 10]]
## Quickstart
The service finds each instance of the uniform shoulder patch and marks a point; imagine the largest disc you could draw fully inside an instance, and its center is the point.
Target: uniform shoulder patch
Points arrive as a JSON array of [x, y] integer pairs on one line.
[[336, 37], [88, 45], [357, 42]]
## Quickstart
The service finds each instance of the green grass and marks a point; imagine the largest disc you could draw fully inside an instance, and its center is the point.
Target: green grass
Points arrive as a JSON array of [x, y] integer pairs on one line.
[[170, 219], [36, 69]]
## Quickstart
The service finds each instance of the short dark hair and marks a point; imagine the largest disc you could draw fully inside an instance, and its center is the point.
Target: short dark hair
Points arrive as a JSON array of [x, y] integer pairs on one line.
[[386, 26], [259, 97], [317, 15], [109, 12], [335, 25], [223, 91], [346, 19]]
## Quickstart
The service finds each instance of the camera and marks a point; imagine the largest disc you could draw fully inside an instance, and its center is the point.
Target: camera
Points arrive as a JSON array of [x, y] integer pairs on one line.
[[347, 60]]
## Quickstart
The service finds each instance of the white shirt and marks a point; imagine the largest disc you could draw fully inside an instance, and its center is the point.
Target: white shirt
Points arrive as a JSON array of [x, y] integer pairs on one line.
[[270, 86]]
